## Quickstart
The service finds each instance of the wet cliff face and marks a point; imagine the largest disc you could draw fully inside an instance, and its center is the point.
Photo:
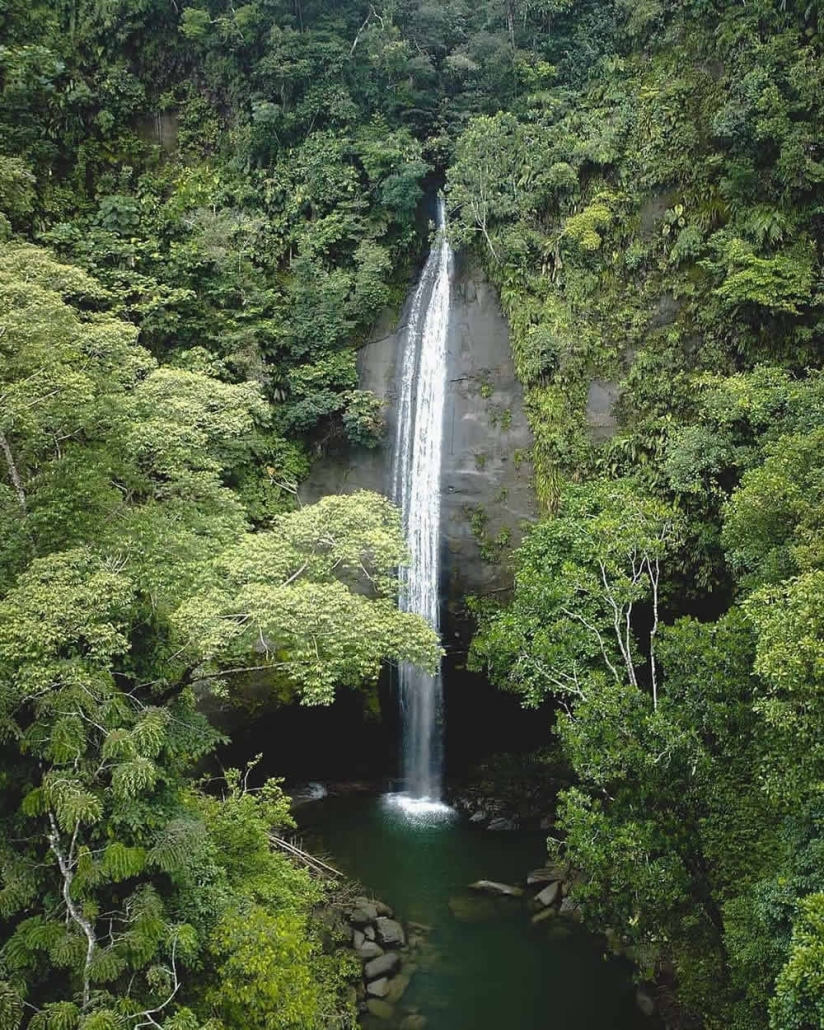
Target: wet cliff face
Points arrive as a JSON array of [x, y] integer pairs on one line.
[[486, 477], [486, 498]]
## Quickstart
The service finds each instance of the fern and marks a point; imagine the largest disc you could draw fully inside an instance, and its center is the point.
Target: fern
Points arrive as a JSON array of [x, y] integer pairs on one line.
[[11, 1007], [133, 778], [106, 966], [103, 1019], [149, 735], [67, 741], [60, 1015], [180, 840], [118, 745], [69, 951], [34, 803], [88, 872], [121, 863], [71, 802]]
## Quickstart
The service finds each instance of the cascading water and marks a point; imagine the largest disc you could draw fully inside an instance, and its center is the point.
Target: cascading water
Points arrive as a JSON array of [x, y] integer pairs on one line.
[[417, 489]]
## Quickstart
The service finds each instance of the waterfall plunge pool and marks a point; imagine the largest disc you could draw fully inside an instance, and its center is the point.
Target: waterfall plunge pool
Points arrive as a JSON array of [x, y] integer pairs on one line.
[[484, 966]]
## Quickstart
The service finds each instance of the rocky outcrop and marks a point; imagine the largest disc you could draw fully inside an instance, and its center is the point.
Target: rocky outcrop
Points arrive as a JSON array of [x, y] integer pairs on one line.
[[390, 956]]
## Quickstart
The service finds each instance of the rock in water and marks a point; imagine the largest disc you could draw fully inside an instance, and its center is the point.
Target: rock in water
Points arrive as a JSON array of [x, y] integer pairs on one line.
[[397, 986], [414, 1022], [547, 874], [493, 887], [368, 950], [549, 895], [571, 910], [363, 915], [378, 988], [390, 932], [380, 1009], [477, 909], [500, 823], [383, 965], [547, 913]]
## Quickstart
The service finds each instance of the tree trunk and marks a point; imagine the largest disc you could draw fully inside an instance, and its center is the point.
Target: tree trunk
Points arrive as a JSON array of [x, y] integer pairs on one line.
[[510, 21], [14, 475]]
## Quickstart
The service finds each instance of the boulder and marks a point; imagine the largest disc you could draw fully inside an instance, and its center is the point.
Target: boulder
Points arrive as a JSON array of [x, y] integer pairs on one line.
[[396, 989], [571, 909], [414, 1022], [383, 965], [378, 988], [368, 950], [389, 932], [500, 823], [358, 939], [383, 910], [419, 927], [493, 887], [363, 915], [478, 817], [369, 932], [380, 1009], [549, 895], [546, 874]]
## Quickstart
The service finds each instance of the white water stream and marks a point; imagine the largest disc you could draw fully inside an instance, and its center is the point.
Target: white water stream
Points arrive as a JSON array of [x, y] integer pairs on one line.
[[417, 489]]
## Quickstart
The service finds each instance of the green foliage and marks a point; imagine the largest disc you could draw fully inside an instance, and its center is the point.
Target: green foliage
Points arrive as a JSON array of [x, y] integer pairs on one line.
[[130, 574]]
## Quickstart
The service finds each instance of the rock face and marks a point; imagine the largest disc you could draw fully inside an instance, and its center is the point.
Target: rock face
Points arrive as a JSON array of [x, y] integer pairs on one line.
[[486, 481]]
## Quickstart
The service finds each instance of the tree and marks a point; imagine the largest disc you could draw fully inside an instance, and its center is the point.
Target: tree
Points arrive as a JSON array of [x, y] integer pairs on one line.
[[581, 575]]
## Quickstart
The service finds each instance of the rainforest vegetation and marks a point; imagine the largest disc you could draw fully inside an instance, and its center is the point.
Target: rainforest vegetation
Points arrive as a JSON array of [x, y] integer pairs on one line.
[[204, 205]]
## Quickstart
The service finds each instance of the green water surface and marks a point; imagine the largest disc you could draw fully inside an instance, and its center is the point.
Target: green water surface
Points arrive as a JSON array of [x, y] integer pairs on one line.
[[484, 966]]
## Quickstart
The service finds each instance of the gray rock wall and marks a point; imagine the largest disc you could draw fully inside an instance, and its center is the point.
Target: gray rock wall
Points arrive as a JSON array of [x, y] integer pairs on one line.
[[486, 478]]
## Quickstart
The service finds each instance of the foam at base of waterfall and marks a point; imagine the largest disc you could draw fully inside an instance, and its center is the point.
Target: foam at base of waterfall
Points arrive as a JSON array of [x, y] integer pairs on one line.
[[420, 810]]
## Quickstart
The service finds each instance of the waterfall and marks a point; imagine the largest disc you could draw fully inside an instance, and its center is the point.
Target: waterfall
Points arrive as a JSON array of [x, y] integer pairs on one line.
[[417, 489]]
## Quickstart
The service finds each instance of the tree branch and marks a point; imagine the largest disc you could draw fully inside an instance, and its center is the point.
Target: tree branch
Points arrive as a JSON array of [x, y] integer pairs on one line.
[[594, 629], [66, 864]]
